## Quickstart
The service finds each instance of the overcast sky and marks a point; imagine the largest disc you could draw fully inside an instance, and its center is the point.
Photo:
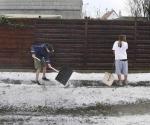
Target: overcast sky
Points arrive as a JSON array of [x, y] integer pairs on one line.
[[92, 6]]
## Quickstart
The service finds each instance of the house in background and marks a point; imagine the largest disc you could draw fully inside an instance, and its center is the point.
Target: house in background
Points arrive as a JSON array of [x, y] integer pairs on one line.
[[67, 9], [110, 15]]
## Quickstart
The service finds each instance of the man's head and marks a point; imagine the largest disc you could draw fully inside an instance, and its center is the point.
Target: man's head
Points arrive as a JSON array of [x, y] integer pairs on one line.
[[49, 48]]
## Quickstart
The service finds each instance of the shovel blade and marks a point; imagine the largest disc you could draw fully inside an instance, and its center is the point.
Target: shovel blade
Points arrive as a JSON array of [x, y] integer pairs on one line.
[[108, 79], [64, 75]]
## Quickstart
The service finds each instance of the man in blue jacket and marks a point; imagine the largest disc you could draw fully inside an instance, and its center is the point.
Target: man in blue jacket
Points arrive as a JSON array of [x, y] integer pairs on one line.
[[41, 55]]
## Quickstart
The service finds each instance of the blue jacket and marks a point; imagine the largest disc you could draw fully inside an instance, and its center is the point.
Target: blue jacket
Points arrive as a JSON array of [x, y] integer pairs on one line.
[[40, 52]]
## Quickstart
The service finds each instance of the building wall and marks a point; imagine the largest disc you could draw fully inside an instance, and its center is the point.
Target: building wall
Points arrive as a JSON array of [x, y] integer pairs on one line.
[[69, 9]]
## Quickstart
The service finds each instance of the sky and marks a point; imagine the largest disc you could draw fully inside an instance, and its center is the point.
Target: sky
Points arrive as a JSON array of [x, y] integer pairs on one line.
[[90, 7]]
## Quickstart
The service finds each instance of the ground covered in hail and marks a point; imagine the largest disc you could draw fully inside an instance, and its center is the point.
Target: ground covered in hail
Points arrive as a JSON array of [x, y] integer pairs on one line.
[[86, 100]]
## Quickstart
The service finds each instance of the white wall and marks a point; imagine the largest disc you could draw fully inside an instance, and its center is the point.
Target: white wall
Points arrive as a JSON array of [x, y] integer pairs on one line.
[[67, 8], [112, 16]]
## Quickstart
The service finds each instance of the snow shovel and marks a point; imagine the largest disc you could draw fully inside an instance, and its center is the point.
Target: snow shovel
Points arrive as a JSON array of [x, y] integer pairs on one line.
[[108, 78], [64, 75]]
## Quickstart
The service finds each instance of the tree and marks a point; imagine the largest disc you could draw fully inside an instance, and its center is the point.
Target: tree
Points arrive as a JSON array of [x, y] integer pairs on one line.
[[146, 8], [140, 8], [135, 8]]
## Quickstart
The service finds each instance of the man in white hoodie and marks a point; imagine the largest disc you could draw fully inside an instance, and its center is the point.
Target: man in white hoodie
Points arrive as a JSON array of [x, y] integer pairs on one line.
[[121, 62]]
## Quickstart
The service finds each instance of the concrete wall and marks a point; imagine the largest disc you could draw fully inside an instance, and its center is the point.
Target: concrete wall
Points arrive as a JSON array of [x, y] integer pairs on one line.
[[69, 9]]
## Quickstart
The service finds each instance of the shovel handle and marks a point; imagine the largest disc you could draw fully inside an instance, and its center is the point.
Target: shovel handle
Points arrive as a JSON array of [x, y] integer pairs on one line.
[[54, 69]]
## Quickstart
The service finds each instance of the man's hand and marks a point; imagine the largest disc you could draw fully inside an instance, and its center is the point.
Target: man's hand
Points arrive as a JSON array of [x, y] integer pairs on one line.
[[52, 50], [49, 66]]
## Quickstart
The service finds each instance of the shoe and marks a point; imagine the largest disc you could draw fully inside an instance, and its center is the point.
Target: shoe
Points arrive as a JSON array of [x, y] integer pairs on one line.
[[119, 83], [125, 82], [37, 82], [45, 79]]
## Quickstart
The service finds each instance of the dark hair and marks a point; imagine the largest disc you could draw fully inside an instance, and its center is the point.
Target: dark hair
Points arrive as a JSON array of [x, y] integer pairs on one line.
[[122, 38], [49, 46]]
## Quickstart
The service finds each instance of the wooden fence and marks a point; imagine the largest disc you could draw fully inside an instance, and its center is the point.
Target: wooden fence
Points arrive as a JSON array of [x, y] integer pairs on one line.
[[81, 44]]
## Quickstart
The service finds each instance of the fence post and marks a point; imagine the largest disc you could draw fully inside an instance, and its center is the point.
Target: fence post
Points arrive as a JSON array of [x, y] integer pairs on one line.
[[135, 46], [85, 44]]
